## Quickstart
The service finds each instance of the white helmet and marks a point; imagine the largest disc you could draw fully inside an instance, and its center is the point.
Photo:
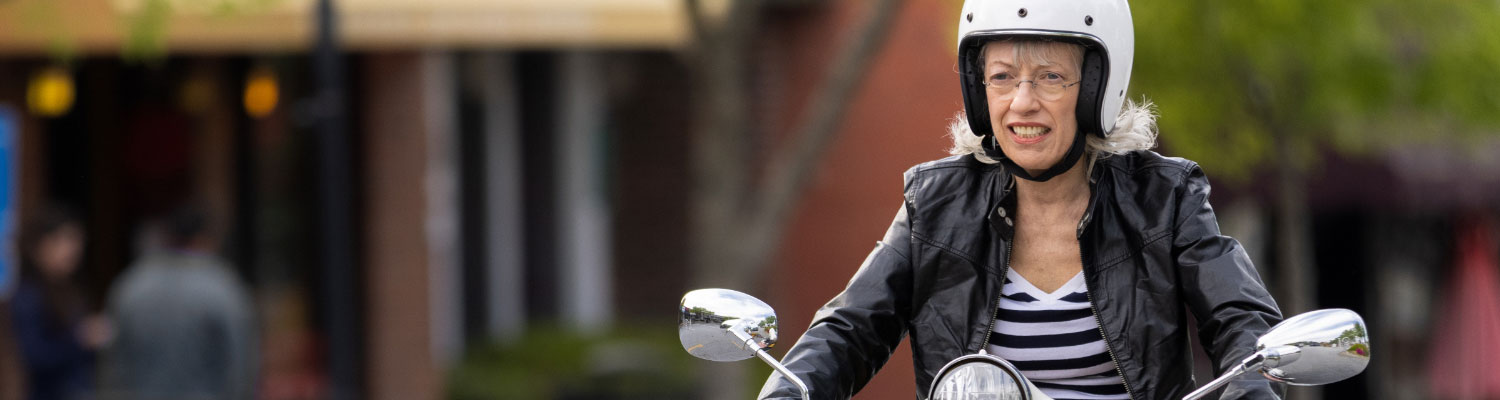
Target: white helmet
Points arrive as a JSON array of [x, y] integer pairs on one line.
[[1102, 27]]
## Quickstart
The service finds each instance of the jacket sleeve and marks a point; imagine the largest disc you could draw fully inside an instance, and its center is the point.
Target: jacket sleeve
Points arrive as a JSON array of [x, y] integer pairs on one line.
[[1222, 289], [853, 335]]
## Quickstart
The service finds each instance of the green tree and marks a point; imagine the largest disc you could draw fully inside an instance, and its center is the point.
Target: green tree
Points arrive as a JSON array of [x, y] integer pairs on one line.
[[1266, 85], [1235, 78], [146, 23], [1358, 331]]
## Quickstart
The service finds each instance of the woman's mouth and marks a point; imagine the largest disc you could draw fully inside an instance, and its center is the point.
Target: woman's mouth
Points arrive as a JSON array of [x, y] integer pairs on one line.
[[1028, 134]]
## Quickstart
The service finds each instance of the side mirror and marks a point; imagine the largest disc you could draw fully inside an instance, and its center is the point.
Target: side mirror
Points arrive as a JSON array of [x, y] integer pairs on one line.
[[1313, 348], [1316, 348], [726, 325]]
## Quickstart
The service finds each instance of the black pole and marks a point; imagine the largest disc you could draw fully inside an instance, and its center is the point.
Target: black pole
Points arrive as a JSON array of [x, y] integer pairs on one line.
[[341, 313]]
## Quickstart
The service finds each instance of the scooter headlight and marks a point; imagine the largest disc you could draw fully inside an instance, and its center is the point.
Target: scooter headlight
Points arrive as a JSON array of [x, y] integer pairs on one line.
[[979, 377]]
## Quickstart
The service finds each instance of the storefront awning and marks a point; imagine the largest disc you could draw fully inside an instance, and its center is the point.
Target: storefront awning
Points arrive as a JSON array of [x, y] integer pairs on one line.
[[236, 26]]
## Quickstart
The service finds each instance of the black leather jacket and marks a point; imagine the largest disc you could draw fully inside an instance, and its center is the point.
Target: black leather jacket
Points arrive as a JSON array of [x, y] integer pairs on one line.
[[1152, 252]]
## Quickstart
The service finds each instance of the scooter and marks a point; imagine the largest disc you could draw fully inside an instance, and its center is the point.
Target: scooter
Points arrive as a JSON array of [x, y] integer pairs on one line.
[[1314, 348]]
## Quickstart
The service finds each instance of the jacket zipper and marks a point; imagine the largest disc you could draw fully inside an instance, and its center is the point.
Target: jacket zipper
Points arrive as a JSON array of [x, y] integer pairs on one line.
[[1089, 291], [994, 316]]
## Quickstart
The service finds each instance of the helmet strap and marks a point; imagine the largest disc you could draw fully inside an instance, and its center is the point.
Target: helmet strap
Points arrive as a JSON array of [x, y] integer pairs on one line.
[[992, 149]]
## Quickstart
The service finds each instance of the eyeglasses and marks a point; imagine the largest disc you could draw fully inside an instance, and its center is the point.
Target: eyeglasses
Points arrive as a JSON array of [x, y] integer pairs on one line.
[[1049, 86]]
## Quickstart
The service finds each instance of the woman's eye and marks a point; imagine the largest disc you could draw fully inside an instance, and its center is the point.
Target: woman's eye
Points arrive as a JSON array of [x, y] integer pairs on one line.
[[1052, 76], [1000, 77]]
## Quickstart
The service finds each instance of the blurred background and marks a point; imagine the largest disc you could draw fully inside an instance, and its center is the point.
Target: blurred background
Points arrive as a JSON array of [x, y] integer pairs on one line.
[[505, 199]]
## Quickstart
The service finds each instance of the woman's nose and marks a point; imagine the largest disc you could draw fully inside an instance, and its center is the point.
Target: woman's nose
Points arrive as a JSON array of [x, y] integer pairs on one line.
[[1025, 100]]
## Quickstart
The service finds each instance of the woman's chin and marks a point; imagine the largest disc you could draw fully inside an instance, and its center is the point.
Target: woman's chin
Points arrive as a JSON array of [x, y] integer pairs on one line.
[[1034, 167]]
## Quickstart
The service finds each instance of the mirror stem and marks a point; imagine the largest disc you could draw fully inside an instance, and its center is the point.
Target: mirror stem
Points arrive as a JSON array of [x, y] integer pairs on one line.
[[1248, 364], [748, 342], [764, 356]]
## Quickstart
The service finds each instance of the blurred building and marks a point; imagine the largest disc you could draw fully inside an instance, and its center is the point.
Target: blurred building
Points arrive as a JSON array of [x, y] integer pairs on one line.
[[520, 163], [481, 147]]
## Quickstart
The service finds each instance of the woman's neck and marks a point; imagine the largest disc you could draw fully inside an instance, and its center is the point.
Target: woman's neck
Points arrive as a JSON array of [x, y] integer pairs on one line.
[[1065, 189]]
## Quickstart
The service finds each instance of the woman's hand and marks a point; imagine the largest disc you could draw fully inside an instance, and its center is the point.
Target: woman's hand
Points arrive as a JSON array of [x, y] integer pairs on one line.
[[95, 332]]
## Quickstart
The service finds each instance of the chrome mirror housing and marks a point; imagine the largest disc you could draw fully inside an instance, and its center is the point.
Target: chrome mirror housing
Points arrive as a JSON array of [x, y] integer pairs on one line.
[[1316, 348], [1313, 348], [726, 325]]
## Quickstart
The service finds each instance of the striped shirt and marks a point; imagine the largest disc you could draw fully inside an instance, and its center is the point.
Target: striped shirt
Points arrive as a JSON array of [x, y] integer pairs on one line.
[[1055, 341]]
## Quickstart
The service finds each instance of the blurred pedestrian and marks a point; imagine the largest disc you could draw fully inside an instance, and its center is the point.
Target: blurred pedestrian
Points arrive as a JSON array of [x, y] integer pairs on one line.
[[12, 381], [184, 321], [56, 333]]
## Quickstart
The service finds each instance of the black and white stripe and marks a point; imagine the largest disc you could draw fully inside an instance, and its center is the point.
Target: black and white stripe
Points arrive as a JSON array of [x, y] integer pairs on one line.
[[1055, 341]]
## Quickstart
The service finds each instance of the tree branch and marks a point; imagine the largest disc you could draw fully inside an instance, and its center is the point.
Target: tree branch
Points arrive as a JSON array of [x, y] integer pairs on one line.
[[790, 169], [720, 165], [720, 135], [694, 11]]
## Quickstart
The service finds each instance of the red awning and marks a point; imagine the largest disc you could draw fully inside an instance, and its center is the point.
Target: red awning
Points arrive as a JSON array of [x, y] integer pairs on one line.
[[1465, 357]]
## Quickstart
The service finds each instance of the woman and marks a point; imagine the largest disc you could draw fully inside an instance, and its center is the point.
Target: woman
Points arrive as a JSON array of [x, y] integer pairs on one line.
[[1053, 238], [57, 337]]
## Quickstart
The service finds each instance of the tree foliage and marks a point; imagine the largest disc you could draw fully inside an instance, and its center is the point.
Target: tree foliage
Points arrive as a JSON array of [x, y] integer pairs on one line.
[[146, 23], [1232, 78], [146, 32]]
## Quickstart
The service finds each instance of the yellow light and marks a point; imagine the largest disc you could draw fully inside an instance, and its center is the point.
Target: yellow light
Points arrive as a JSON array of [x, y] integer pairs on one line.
[[260, 93], [50, 93]]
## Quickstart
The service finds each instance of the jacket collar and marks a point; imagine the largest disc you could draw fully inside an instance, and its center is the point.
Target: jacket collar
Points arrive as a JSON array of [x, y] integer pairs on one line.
[[1002, 201]]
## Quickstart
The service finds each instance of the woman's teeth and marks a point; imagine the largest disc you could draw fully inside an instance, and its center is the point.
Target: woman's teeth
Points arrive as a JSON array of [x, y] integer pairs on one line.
[[1028, 132]]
